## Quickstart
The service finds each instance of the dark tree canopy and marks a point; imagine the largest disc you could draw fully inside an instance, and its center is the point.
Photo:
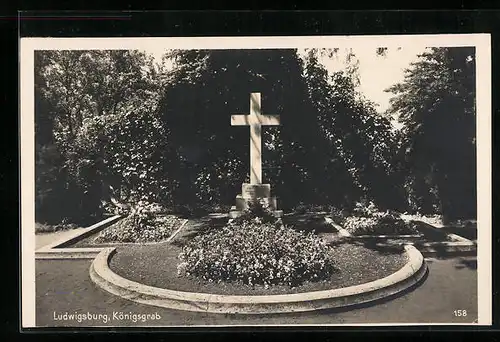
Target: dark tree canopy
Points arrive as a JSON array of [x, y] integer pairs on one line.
[[329, 148], [95, 113], [436, 102], [116, 126]]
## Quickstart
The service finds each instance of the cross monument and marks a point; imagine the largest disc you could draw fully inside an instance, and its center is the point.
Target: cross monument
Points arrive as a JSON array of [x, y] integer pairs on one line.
[[255, 191], [255, 120]]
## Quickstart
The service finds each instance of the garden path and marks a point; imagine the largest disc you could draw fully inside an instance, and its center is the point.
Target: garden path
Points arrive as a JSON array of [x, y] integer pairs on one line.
[[43, 239], [65, 285]]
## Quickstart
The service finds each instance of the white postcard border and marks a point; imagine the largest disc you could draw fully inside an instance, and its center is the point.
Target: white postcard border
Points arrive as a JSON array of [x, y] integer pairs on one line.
[[482, 43]]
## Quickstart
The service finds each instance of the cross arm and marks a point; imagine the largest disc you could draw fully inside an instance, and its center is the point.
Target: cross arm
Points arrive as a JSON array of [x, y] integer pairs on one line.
[[240, 120], [269, 120], [248, 120]]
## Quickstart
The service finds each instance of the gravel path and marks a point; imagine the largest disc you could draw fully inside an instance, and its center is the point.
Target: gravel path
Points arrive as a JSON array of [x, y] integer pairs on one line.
[[65, 286], [43, 239]]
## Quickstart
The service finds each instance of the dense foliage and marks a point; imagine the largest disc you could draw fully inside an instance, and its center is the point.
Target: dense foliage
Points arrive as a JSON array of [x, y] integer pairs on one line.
[[252, 253], [114, 128], [436, 104], [357, 142], [96, 124]]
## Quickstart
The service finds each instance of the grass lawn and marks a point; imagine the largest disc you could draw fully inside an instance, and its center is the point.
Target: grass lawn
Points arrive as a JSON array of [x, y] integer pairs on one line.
[[308, 223], [432, 234], [156, 265], [464, 231]]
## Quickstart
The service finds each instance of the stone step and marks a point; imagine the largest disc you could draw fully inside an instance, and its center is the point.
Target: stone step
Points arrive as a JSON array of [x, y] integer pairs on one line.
[[242, 203], [234, 213], [68, 253]]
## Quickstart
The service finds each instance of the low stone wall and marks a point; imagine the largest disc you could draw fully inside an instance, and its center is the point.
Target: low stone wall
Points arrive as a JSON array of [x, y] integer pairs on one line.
[[454, 244]]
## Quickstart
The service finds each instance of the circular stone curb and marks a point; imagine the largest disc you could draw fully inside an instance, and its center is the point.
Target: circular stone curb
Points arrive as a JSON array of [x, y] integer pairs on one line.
[[408, 276]]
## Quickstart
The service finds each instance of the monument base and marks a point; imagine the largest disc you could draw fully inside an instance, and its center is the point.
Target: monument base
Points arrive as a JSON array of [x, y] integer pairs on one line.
[[254, 193], [234, 213], [243, 203]]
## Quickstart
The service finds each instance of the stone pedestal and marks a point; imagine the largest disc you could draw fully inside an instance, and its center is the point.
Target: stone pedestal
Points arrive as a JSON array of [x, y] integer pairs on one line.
[[252, 193]]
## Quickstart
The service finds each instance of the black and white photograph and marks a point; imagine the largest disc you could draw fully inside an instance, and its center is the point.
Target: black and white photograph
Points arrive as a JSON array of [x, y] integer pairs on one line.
[[256, 181]]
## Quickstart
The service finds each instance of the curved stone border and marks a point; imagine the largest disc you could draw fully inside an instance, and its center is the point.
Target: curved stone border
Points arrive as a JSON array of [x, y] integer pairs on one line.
[[408, 276], [59, 249]]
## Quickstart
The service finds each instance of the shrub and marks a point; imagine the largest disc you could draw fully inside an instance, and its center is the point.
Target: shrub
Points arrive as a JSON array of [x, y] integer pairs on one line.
[[300, 209], [258, 212], [365, 209], [255, 253], [115, 209], [367, 219], [337, 214], [310, 208], [48, 228], [378, 223], [143, 224]]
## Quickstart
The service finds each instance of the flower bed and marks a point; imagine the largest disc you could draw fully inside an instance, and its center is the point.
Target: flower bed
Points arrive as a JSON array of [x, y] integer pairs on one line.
[[134, 229], [382, 224], [433, 220], [252, 252], [368, 220], [357, 265]]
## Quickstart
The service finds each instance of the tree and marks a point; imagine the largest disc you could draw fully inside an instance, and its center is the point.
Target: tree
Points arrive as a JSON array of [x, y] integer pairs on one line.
[[329, 141], [436, 103], [359, 139], [207, 88], [98, 110]]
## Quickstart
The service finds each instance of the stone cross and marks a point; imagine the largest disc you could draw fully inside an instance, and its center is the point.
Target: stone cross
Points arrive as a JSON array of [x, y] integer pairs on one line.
[[255, 120]]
